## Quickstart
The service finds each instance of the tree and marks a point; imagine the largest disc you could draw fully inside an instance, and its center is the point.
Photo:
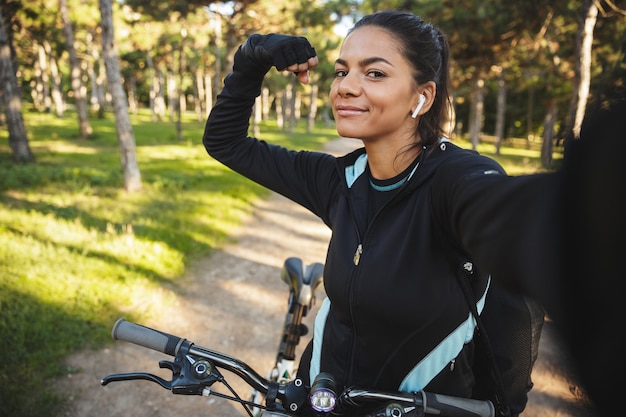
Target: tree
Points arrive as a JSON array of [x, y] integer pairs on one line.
[[125, 135], [84, 127], [582, 67], [11, 99], [583, 63]]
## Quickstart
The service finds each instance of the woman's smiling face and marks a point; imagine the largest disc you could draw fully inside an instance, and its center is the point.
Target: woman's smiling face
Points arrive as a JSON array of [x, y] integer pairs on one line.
[[373, 92]]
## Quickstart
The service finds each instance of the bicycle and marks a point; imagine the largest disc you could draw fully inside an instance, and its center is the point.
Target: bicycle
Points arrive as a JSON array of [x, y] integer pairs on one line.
[[195, 370], [302, 282]]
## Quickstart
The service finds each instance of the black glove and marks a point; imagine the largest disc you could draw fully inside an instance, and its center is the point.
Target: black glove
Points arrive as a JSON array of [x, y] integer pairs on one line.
[[278, 50]]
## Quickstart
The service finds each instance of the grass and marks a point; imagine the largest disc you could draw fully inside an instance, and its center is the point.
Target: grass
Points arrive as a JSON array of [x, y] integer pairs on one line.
[[77, 251]]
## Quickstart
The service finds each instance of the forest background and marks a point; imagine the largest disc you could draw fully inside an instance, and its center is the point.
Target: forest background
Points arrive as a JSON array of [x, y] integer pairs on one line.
[[103, 179]]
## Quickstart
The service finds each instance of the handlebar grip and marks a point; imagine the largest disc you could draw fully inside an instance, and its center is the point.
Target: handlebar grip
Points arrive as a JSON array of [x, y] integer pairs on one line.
[[458, 407], [146, 337]]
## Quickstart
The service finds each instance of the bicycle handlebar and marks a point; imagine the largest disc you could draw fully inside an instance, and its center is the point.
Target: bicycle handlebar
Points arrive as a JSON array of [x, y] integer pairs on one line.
[[436, 404], [291, 395], [146, 337], [170, 345]]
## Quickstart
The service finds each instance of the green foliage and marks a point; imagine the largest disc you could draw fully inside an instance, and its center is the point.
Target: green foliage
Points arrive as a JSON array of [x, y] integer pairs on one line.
[[160, 10], [77, 252], [517, 156], [533, 42]]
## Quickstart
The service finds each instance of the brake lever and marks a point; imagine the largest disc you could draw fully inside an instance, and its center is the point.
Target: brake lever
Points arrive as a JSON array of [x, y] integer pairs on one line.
[[134, 376], [197, 375], [174, 367]]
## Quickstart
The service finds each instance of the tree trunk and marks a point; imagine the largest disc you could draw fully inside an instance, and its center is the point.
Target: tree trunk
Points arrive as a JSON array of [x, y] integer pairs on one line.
[[126, 138], [200, 95], [172, 97], [278, 105], [501, 111], [152, 81], [45, 99], [101, 87], [582, 68], [18, 139], [297, 105], [288, 106], [267, 103], [529, 115], [209, 94], [257, 116], [312, 107], [219, 35], [294, 105], [157, 101], [179, 88], [84, 128], [57, 83], [548, 135], [97, 76], [160, 106], [450, 123], [476, 112]]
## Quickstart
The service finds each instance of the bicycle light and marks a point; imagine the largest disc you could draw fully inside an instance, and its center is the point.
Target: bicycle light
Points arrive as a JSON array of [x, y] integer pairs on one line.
[[323, 397]]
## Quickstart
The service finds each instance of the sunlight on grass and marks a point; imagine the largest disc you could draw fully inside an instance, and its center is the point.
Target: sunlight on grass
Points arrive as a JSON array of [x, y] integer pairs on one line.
[[58, 147], [112, 244], [172, 152], [515, 160], [77, 283]]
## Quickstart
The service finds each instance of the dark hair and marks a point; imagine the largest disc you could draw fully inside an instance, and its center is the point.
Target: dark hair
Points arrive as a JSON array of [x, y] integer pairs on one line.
[[426, 48]]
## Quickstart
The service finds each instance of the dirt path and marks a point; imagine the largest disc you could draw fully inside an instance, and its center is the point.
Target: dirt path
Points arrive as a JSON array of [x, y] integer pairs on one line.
[[235, 303]]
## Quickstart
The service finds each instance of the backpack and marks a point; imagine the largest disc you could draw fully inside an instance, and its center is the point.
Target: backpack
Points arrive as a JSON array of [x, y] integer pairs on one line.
[[507, 344]]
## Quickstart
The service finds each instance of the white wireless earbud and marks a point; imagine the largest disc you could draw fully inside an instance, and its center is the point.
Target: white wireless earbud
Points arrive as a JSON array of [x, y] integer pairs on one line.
[[419, 106]]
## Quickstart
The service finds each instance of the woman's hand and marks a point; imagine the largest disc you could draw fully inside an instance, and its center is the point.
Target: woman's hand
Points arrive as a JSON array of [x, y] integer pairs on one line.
[[302, 70], [286, 53]]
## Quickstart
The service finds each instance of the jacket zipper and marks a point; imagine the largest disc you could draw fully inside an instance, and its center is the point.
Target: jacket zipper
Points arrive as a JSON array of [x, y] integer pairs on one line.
[[357, 254], [356, 259]]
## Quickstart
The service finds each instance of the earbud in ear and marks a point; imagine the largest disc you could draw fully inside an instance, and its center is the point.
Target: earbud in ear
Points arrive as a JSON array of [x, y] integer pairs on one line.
[[419, 106]]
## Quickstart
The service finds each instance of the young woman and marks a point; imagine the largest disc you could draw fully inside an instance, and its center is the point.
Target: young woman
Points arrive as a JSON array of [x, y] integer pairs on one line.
[[407, 211]]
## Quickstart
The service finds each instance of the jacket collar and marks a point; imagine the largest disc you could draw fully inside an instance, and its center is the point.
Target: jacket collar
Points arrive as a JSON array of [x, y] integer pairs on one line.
[[352, 166]]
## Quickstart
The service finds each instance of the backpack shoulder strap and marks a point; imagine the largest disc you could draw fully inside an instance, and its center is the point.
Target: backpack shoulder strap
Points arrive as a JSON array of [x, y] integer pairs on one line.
[[464, 280]]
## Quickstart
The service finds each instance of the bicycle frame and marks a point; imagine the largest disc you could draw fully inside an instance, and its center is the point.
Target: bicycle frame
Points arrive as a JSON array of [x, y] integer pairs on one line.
[[302, 282]]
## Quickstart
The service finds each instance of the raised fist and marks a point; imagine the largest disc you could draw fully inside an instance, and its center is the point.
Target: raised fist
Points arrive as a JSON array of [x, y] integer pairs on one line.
[[281, 51]]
